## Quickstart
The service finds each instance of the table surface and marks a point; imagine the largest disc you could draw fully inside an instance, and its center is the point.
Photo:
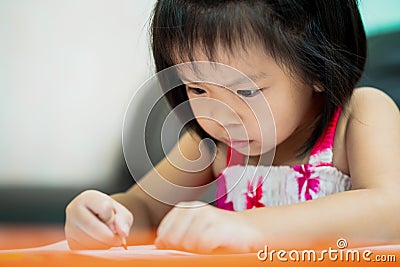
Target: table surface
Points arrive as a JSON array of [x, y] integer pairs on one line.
[[28, 236]]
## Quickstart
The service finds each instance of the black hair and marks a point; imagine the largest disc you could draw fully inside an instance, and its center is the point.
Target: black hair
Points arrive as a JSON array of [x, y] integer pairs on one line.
[[323, 42]]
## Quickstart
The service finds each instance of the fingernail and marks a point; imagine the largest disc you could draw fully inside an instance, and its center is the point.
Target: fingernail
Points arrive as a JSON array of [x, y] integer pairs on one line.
[[125, 228]]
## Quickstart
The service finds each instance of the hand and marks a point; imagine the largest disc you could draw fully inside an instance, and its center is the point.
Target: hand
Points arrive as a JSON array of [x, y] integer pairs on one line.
[[199, 227], [96, 221]]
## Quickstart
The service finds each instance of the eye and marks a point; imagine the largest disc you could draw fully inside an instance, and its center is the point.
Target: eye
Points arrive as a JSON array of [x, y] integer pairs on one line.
[[248, 93], [195, 90]]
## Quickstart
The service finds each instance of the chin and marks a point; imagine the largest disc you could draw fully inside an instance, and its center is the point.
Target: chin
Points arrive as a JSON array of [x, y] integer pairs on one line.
[[255, 149]]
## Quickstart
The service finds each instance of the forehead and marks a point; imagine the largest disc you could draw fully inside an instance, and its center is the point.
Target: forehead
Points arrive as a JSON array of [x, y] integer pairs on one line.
[[228, 69]]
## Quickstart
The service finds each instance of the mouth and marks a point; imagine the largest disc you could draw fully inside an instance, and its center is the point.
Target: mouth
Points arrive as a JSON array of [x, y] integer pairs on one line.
[[238, 143]]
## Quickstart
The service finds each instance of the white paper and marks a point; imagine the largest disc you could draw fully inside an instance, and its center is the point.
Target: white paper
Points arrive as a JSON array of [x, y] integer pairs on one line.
[[143, 251]]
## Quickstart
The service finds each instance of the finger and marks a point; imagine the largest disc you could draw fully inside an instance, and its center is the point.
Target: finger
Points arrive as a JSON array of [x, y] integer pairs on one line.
[[73, 244], [84, 241], [123, 220], [177, 230], [95, 228], [196, 237], [162, 240], [102, 206], [169, 218], [165, 223], [209, 241], [204, 236], [173, 230]]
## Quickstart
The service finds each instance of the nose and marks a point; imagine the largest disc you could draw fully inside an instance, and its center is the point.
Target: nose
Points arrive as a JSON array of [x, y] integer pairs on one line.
[[230, 121], [226, 111], [225, 116]]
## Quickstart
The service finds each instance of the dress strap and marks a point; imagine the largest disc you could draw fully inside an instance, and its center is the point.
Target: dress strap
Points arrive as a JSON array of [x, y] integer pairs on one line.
[[322, 150], [233, 157]]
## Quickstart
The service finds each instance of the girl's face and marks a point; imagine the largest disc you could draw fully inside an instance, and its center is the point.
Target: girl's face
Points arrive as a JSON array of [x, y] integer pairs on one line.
[[251, 117]]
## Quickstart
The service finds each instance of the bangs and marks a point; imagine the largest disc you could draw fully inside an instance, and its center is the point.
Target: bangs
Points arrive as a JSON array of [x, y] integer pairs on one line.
[[183, 30]]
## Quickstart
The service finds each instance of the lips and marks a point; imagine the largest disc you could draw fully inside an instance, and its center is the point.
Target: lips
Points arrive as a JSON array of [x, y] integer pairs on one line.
[[238, 143]]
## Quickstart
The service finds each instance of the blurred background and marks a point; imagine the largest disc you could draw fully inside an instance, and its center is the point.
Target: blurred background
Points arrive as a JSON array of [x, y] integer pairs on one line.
[[68, 70]]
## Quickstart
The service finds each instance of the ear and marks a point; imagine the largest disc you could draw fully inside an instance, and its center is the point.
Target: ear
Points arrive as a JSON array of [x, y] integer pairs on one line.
[[318, 89]]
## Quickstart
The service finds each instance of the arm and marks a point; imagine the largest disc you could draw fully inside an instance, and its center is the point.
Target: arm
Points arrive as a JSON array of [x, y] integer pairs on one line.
[[149, 209], [367, 215], [95, 220]]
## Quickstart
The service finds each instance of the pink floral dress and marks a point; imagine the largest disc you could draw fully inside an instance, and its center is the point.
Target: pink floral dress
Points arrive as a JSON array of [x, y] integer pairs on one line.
[[245, 187]]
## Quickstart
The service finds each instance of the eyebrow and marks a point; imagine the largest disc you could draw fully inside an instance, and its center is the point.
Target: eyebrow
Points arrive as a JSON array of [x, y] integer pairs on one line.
[[241, 80], [252, 77]]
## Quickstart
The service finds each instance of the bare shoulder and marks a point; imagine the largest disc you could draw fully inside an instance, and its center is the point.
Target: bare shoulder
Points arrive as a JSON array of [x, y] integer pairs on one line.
[[369, 101], [372, 138]]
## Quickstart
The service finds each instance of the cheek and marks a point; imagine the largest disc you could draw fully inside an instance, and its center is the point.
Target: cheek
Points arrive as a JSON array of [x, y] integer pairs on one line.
[[200, 113], [268, 121], [206, 124], [211, 127], [287, 119], [201, 107], [260, 120], [196, 108]]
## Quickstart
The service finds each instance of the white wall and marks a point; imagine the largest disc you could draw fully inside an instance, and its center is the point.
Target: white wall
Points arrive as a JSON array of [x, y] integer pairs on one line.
[[67, 71]]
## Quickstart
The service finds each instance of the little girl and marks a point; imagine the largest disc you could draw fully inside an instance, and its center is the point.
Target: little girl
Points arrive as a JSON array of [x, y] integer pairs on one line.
[[334, 171]]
